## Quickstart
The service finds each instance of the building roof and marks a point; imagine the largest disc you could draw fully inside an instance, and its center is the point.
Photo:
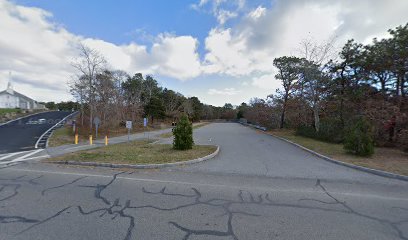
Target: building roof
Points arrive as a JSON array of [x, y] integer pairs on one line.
[[17, 94]]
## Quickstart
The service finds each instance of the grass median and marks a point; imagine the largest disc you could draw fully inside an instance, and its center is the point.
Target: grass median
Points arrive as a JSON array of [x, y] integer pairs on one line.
[[386, 159], [137, 152]]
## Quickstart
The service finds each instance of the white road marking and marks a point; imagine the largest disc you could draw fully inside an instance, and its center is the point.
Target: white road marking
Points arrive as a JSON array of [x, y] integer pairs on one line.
[[24, 157], [211, 185], [27, 155], [9, 155], [27, 159]]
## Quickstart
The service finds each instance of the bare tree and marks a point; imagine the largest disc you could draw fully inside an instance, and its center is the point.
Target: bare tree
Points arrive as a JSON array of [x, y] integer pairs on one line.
[[316, 55], [172, 102], [119, 77], [78, 89], [88, 64], [188, 107]]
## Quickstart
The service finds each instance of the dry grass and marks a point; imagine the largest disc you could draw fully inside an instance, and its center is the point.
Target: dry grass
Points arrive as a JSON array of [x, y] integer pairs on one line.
[[9, 110], [386, 159], [137, 152], [63, 136]]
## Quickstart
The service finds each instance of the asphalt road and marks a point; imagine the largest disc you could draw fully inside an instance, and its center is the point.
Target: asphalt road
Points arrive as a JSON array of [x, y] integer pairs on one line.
[[257, 188], [21, 136]]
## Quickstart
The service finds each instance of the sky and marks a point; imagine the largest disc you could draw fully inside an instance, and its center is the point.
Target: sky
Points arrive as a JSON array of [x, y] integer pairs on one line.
[[221, 51]]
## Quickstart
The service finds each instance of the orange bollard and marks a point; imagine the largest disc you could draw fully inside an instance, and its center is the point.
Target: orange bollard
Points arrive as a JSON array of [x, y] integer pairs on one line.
[[106, 141], [90, 139], [76, 138]]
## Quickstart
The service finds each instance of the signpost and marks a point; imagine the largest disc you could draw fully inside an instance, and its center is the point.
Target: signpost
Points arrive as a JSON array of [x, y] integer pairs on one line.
[[145, 122], [129, 126], [73, 126], [96, 122]]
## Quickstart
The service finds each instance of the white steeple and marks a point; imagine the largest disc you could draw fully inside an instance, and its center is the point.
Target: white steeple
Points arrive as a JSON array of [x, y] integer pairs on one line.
[[9, 85]]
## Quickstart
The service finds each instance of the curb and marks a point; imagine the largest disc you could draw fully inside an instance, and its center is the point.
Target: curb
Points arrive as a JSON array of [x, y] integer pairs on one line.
[[141, 166], [364, 169], [51, 130]]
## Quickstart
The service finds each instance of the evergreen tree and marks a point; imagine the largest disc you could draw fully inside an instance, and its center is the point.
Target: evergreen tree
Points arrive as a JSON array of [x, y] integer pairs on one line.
[[183, 134]]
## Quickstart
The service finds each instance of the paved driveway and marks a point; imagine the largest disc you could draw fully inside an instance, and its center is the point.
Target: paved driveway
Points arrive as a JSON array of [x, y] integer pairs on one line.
[[245, 151], [20, 135], [257, 188]]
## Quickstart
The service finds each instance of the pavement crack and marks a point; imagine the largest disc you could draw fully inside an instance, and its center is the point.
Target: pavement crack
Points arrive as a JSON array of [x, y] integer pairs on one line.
[[16, 219], [44, 221], [61, 186], [121, 212], [392, 224], [15, 188], [33, 181], [99, 188]]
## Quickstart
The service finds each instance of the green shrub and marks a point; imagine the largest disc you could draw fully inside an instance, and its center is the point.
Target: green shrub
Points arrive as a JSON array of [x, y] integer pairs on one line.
[[358, 139], [306, 131], [330, 131], [183, 134]]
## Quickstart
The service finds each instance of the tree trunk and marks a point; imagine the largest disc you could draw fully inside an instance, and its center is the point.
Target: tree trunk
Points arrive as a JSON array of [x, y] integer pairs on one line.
[[282, 122], [282, 118], [383, 90], [402, 85], [316, 117], [342, 93], [82, 114], [397, 90], [90, 118]]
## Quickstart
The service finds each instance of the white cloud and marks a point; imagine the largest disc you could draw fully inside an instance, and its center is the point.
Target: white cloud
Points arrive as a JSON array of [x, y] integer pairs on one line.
[[38, 52], [35, 50], [248, 48], [222, 10], [229, 54], [225, 91], [224, 15], [267, 81], [257, 13], [176, 57], [171, 56]]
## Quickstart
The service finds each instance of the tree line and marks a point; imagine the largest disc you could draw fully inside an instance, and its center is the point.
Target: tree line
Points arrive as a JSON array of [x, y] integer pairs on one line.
[[326, 94], [115, 96]]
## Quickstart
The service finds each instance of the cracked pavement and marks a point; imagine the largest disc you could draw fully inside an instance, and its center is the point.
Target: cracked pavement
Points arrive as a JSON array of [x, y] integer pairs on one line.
[[258, 187]]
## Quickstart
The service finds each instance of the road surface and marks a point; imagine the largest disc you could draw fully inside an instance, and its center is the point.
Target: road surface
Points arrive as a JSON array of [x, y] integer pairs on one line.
[[21, 135], [257, 188]]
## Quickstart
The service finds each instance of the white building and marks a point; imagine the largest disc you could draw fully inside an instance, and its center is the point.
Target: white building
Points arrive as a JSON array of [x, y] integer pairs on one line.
[[12, 99]]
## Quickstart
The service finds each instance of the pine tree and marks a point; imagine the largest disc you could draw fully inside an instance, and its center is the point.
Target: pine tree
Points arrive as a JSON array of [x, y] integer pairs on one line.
[[183, 134]]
